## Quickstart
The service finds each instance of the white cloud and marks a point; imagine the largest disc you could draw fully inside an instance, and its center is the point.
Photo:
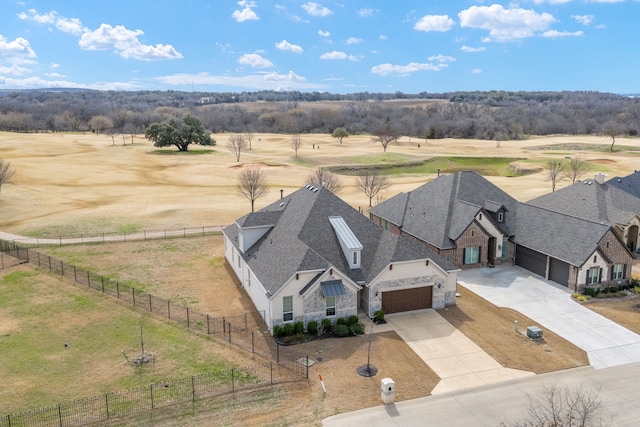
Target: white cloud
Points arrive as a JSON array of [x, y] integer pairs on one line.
[[505, 24], [285, 45], [472, 49], [366, 12], [556, 34], [434, 23], [583, 19], [55, 75], [14, 69], [125, 42], [316, 9], [382, 37], [260, 81], [66, 25], [18, 49], [476, 71], [324, 33], [405, 70], [255, 60], [551, 1], [246, 13], [354, 40], [54, 65], [441, 58], [337, 55]]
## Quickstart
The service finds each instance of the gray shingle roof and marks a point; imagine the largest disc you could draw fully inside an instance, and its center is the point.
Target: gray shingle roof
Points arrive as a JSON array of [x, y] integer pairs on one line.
[[440, 210], [561, 236], [303, 239], [592, 201], [629, 183]]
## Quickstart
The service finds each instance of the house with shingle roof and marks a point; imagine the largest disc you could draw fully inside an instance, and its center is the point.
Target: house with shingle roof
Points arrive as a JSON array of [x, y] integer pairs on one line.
[[579, 236], [599, 201], [629, 183], [461, 216], [310, 256]]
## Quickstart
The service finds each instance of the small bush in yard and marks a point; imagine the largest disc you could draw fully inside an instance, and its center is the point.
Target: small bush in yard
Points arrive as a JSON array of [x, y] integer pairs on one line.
[[287, 330], [581, 297], [341, 321], [353, 320], [298, 328], [312, 327], [356, 329], [326, 325], [342, 330], [378, 316], [590, 292], [277, 331]]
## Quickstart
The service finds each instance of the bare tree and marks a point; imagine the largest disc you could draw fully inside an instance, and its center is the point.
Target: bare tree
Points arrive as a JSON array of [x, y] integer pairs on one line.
[[386, 134], [575, 168], [296, 142], [612, 131], [554, 168], [248, 134], [371, 183], [562, 407], [328, 180], [100, 123], [252, 184], [237, 144], [7, 172]]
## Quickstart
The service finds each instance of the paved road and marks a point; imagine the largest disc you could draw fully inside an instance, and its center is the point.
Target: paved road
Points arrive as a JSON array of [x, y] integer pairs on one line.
[[551, 307], [506, 402]]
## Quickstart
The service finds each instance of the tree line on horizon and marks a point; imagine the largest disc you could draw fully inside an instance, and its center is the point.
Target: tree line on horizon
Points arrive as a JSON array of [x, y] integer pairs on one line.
[[490, 115]]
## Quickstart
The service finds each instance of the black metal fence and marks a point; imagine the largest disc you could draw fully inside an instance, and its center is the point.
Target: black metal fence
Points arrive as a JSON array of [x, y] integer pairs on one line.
[[118, 237], [247, 331], [230, 383]]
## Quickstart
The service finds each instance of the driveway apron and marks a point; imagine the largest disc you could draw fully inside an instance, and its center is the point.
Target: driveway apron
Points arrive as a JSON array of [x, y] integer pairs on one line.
[[457, 360], [551, 307]]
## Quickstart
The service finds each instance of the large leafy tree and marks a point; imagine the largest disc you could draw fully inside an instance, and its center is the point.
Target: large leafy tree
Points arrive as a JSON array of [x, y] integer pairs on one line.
[[181, 134]]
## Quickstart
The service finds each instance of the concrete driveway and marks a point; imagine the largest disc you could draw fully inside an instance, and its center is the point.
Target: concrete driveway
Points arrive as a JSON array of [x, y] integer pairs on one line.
[[457, 360], [551, 307]]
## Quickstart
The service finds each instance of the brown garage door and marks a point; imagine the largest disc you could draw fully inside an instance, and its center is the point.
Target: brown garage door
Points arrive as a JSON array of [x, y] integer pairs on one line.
[[406, 300]]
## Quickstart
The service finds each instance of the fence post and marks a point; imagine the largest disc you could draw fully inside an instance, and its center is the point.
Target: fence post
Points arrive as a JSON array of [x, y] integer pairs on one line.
[[106, 402], [208, 330], [253, 349], [229, 332], [60, 414], [151, 386], [184, 232], [245, 320], [60, 240], [27, 254], [193, 389], [150, 307], [307, 365], [62, 267], [38, 259], [75, 275], [49, 263], [133, 291], [224, 326], [88, 278], [271, 369], [102, 279], [277, 352], [168, 309], [187, 317], [118, 289]]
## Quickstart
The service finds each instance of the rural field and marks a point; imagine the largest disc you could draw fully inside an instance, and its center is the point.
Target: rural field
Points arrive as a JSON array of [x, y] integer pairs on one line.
[[68, 184]]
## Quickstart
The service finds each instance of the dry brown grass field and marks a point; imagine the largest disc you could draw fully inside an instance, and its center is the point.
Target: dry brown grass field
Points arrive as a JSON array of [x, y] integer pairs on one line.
[[83, 183]]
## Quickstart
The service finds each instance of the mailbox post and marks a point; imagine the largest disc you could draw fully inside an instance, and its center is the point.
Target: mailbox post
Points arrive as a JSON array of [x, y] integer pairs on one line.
[[387, 389]]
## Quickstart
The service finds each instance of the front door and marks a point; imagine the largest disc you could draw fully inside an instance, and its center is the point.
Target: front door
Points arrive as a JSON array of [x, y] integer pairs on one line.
[[491, 251]]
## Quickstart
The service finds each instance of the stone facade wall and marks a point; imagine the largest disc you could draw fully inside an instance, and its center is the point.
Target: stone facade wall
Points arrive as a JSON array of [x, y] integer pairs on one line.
[[375, 302], [315, 305]]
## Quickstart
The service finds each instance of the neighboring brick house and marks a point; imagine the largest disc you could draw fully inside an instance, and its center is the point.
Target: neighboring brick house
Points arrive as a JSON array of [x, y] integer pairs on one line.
[[614, 204], [461, 216], [310, 255], [579, 236]]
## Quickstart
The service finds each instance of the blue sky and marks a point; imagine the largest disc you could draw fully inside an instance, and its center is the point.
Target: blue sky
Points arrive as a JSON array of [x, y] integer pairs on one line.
[[335, 46]]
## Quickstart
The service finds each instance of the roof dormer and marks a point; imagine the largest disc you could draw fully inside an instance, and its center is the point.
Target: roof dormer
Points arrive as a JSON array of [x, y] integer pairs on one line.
[[351, 246]]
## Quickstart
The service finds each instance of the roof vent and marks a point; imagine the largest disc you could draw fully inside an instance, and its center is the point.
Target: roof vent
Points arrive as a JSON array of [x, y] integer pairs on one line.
[[308, 186], [619, 180], [282, 204], [315, 190]]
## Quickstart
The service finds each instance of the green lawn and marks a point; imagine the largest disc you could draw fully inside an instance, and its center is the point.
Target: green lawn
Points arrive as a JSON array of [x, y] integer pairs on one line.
[[40, 313], [488, 166]]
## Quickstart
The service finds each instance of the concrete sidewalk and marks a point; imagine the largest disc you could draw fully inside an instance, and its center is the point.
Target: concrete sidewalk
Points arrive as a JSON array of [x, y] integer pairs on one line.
[[457, 360], [551, 307], [506, 402]]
